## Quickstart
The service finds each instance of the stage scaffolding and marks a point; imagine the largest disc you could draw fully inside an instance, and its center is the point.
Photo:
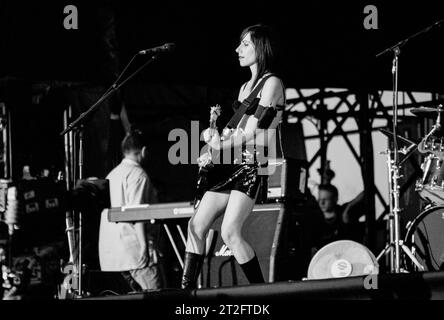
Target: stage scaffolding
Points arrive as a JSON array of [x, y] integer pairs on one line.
[[367, 106]]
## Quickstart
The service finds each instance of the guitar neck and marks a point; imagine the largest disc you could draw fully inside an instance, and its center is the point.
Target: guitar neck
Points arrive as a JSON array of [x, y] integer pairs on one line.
[[212, 127]]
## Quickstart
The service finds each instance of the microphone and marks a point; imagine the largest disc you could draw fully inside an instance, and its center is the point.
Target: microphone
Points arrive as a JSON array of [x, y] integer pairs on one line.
[[167, 47]]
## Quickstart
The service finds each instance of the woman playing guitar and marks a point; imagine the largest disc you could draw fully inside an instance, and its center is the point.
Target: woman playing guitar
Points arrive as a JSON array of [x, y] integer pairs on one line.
[[233, 187]]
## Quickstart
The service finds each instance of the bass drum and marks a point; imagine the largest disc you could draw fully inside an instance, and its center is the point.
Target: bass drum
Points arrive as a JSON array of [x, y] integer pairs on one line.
[[340, 259], [425, 238]]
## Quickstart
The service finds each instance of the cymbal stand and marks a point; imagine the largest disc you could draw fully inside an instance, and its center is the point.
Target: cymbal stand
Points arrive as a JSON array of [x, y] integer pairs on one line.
[[395, 244], [391, 226], [394, 166]]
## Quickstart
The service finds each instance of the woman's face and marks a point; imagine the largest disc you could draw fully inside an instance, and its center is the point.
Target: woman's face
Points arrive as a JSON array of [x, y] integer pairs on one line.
[[246, 52]]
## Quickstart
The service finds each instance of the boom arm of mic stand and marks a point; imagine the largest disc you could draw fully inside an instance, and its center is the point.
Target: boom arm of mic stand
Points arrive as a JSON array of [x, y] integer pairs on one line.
[[113, 89], [77, 124], [403, 42]]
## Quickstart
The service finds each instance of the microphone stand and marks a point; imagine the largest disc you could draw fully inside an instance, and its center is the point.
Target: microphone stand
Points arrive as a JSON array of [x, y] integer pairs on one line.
[[395, 167], [78, 125], [403, 42], [114, 87], [394, 215]]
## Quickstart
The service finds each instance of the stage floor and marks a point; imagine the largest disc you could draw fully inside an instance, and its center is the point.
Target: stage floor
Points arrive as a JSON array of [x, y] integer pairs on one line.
[[418, 286]]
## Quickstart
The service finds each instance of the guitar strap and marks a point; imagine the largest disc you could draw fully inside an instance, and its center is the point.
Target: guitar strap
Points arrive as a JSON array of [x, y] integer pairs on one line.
[[236, 118]]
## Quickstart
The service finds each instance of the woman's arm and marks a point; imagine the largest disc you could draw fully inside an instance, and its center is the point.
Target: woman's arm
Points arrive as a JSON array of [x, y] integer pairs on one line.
[[272, 95]]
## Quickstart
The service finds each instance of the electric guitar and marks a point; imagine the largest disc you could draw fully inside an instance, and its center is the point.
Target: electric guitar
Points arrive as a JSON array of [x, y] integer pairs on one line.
[[205, 161]]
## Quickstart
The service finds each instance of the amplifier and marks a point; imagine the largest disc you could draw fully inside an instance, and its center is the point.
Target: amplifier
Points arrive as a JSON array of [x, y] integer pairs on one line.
[[287, 179], [266, 230]]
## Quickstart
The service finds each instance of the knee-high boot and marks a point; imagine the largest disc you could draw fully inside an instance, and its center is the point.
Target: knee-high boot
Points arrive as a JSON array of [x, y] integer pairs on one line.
[[191, 269], [252, 270]]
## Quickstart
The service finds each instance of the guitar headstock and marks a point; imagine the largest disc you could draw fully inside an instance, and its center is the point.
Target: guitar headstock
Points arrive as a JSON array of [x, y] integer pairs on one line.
[[215, 112]]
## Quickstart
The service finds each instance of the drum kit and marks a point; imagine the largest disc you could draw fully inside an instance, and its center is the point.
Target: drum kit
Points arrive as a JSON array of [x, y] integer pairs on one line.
[[414, 252], [425, 234], [422, 249], [423, 246], [424, 239]]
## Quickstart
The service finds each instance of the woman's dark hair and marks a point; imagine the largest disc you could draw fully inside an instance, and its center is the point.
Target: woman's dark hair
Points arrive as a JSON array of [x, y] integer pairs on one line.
[[265, 44]]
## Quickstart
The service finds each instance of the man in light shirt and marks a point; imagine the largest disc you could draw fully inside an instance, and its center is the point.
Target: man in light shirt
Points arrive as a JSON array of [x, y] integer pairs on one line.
[[126, 247]]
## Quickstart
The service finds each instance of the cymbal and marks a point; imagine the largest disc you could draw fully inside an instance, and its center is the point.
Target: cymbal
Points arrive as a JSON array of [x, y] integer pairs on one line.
[[425, 110]]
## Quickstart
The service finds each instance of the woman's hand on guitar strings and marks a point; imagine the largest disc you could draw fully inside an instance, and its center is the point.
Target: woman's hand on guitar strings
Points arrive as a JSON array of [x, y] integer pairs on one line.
[[211, 136]]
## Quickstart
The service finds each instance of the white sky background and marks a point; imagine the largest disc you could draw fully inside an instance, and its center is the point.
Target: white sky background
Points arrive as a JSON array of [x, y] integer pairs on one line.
[[348, 178]]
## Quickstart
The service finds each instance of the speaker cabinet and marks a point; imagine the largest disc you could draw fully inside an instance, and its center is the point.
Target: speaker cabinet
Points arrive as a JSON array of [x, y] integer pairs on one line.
[[265, 231], [287, 179]]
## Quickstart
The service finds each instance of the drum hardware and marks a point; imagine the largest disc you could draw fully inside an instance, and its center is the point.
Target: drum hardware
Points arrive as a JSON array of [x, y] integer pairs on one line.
[[406, 151], [424, 146], [431, 186], [400, 138], [395, 245], [441, 148]]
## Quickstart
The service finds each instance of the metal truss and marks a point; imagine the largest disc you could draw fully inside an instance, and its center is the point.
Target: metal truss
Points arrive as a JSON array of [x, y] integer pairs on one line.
[[367, 107]]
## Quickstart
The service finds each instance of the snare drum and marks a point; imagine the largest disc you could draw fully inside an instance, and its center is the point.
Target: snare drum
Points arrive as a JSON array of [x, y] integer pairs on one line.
[[431, 185], [425, 238]]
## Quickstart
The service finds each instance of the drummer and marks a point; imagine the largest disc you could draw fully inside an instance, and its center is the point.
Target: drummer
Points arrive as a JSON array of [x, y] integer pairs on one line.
[[335, 222]]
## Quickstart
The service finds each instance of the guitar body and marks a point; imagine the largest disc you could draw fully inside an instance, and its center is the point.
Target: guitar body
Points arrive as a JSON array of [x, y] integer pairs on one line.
[[201, 187], [205, 161]]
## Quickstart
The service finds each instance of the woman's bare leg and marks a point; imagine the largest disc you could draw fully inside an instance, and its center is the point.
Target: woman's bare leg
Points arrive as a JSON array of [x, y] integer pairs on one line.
[[211, 206], [238, 209]]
